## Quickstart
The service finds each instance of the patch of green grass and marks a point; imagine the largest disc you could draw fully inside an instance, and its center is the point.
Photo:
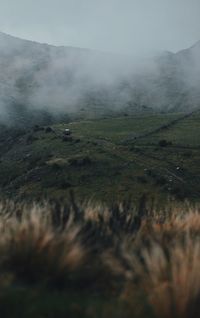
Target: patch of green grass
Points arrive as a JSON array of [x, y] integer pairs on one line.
[[117, 129], [107, 160], [185, 133]]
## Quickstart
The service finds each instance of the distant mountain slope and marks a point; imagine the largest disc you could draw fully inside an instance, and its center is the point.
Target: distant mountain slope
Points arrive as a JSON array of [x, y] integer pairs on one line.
[[44, 77], [173, 82], [38, 77]]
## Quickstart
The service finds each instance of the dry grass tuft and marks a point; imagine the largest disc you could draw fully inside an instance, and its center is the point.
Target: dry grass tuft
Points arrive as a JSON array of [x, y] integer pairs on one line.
[[145, 260], [34, 249], [162, 266]]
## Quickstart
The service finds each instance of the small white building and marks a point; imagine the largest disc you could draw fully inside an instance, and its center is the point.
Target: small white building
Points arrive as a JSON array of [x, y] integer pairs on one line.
[[67, 132]]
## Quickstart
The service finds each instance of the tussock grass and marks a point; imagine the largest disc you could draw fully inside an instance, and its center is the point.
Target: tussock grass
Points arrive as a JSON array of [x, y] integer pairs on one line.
[[138, 262], [33, 249]]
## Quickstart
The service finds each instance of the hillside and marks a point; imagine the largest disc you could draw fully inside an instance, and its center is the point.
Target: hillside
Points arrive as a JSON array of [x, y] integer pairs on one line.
[[39, 78], [99, 183], [134, 129], [43, 82], [106, 160]]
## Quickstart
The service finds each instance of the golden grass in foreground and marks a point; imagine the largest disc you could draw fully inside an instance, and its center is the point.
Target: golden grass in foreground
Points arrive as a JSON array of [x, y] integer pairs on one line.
[[149, 261]]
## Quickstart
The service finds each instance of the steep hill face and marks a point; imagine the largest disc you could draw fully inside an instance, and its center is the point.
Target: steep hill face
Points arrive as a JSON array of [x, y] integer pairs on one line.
[[39, 77], [189, 64], [36, 79], [173, 82]]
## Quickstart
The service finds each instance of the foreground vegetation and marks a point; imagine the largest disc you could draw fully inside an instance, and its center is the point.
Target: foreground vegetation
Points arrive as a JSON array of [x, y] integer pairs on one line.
[[92, 261]]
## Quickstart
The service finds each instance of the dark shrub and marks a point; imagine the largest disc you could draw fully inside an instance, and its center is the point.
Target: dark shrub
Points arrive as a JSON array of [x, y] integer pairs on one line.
[[180, 192], [142, 179], [80, 161], [67, 138], [30, 139], [187, 154], [164, 143], [37, 128], [65, 184], [48, 130], [160, 180]]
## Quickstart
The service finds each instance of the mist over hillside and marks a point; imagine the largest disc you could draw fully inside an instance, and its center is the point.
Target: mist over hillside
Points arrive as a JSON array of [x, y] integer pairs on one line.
[[42, 79]]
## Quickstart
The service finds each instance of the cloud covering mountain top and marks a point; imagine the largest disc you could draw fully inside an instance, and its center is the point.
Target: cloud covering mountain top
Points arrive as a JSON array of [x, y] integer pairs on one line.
[[65, 79], [136, 27]]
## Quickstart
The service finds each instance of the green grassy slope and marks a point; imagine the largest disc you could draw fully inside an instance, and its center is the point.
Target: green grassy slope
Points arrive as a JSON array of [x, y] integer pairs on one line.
[[106, 160]]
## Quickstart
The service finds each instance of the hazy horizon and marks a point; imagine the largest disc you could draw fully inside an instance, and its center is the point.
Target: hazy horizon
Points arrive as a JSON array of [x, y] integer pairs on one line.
[[70, 80], [133, 27]]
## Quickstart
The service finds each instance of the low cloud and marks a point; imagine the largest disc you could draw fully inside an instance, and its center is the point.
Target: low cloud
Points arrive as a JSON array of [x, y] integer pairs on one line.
[[64, 80]]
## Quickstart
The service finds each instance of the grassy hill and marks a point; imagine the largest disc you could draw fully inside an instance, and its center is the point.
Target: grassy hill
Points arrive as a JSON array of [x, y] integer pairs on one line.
[[105, 160]]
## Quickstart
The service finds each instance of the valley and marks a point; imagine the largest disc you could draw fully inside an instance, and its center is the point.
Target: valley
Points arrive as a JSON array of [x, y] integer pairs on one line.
[[105, 160], [99, 159]]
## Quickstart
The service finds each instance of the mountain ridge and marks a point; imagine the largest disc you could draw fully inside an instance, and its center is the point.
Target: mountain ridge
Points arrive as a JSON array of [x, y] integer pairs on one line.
[[66, 79]]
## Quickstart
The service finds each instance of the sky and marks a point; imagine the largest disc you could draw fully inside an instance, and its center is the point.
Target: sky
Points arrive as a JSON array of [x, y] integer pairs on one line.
[[136, 27]]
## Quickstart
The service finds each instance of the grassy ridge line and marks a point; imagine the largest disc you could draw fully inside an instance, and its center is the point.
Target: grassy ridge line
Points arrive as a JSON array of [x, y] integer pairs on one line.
[[115, 129], [163, 127]]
